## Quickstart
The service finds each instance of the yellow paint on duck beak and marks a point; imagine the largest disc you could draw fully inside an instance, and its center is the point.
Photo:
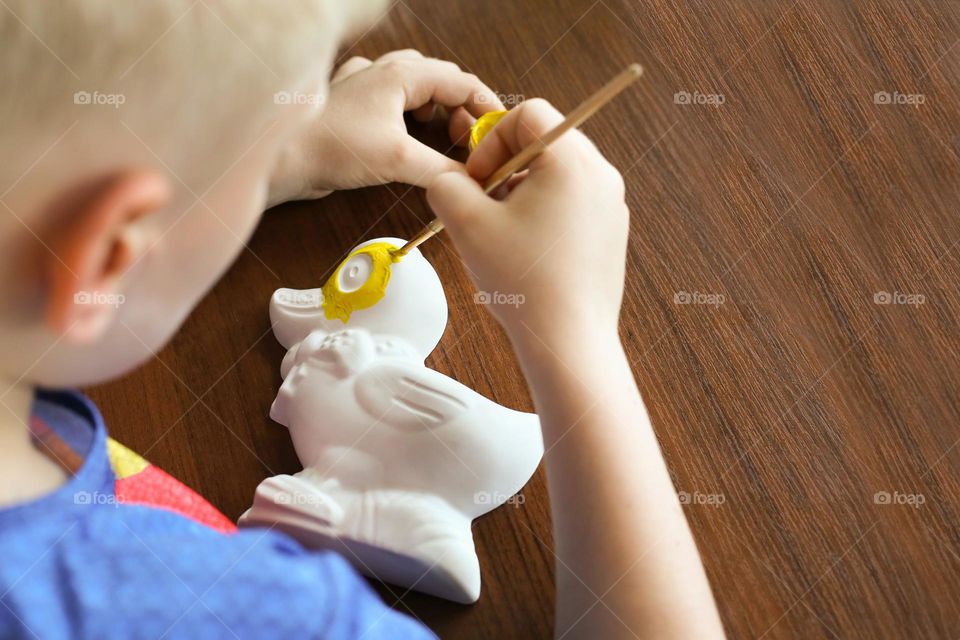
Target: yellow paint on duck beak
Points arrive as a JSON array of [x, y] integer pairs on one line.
[[483, 126], [360, 281]]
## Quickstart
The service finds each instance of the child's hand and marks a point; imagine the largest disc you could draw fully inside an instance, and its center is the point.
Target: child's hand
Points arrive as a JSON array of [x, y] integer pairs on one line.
[[359, 139], [549, 257]]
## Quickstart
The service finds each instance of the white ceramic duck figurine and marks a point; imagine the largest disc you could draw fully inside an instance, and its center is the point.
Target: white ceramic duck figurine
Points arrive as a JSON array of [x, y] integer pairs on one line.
[[398, 458]]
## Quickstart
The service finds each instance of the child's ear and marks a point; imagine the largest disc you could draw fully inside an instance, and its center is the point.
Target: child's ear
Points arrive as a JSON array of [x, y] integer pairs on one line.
[[96, 242]]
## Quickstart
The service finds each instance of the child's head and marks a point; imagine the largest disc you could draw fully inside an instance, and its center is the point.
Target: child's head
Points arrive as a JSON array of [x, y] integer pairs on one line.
[[137, 144]]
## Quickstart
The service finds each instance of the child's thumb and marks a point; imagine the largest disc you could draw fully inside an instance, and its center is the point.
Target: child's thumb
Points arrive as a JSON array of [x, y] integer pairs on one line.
[[457, 199]]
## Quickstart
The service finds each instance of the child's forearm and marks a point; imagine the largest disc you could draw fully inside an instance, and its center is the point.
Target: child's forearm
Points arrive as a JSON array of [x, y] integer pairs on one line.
[[620, 533], [627, 563]]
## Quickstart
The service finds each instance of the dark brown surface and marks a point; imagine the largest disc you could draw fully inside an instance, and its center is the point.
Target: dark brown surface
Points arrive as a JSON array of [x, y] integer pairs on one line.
[[797, 399]]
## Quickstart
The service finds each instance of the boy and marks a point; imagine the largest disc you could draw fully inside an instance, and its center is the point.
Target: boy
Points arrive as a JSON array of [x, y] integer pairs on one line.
[[140, 146]]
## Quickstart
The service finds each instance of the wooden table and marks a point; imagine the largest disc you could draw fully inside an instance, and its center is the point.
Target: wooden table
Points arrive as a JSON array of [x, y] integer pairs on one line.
[[793, 172]]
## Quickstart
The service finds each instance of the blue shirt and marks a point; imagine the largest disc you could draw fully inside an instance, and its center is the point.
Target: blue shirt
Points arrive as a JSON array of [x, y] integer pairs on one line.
[[76, 564]]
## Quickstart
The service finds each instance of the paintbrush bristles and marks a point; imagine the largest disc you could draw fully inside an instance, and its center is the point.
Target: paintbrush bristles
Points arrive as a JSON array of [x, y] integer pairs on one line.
[[433, 228]]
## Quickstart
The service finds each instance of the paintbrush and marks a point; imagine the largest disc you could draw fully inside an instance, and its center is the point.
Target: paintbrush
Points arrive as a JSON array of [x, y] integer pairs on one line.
[[529, 153]]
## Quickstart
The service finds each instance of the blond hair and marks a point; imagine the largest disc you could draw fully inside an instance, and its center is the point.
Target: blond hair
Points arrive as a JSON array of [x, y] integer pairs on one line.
[[174, 73]]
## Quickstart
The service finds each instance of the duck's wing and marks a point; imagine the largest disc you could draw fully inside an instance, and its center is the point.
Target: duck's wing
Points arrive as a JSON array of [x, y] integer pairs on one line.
[[409, 396], [499, 446]]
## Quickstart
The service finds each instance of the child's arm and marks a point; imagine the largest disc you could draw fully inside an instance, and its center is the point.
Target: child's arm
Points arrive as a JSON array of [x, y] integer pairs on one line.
[[626, 562], [359, 137]]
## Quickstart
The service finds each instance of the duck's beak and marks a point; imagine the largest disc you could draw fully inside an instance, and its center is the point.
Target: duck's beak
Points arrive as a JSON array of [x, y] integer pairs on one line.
[[294, 313]]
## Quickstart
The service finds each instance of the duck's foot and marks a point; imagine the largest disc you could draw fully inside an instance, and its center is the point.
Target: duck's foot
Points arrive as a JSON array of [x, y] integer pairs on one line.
[[416, 541], [286, 498]]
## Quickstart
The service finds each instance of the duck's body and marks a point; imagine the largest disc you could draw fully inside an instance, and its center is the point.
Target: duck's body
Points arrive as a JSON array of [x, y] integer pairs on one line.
[[398, 458]]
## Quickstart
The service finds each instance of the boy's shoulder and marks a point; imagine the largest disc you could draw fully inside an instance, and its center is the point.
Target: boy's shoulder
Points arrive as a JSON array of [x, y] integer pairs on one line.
[[101, 567], [133, 571]]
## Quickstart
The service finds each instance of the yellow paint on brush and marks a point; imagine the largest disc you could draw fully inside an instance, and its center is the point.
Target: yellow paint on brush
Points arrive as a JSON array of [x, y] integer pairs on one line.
[[358, 283], [483, 126]]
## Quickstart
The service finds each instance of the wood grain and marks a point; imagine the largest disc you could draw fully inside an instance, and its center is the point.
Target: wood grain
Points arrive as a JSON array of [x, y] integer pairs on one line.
[[793, 206]]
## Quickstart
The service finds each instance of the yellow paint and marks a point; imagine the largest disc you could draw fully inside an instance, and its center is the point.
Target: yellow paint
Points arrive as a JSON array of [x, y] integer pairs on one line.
[[125, 462], [483, 126], [340, 304]]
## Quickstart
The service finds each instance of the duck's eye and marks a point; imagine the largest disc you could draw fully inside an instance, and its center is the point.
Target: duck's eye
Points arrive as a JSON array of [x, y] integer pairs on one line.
[[355, 272]]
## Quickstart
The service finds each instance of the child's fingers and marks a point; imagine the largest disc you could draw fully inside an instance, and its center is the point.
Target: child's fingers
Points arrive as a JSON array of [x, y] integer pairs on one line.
[[430, 80], [457, 199], [350, 67], [416, 163], [400, 54], [459, 126], [359, 63], [426, 113], [515, 181], [523, 125]]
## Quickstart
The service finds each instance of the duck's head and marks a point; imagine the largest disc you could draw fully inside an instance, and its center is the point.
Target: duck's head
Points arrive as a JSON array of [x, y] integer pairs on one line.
[[370, 289]]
